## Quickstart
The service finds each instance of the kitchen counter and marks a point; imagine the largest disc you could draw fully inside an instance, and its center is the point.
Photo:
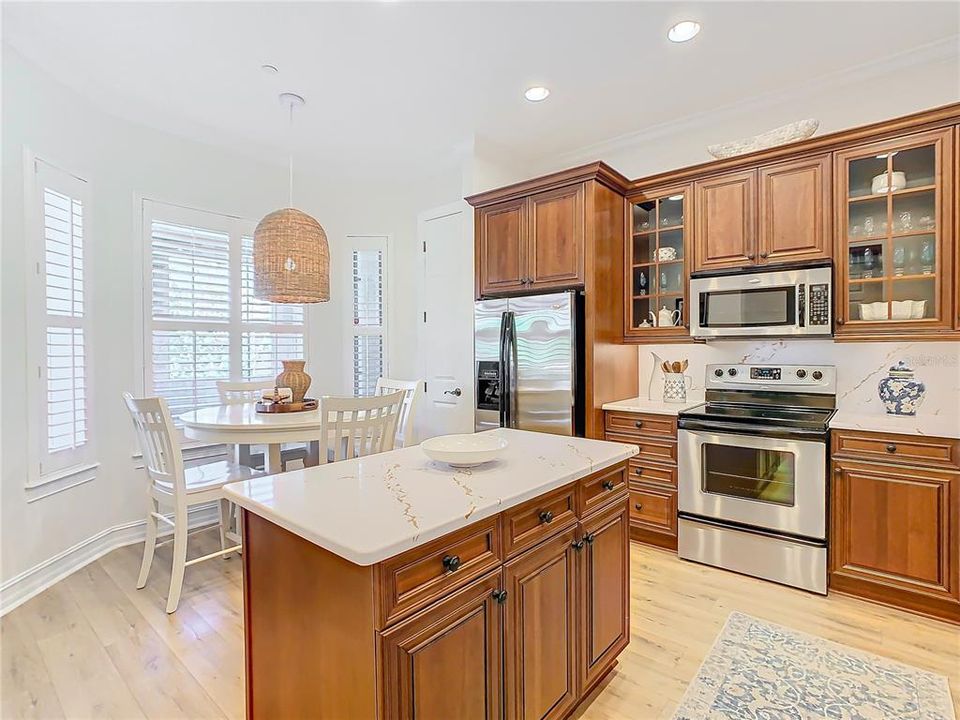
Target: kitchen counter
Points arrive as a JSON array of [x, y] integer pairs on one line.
[[657, 407], [369, 509], [944, 426]]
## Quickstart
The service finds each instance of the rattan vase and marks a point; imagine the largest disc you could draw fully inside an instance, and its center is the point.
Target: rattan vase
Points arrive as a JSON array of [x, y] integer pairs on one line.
[[291, 259], [295, 378]]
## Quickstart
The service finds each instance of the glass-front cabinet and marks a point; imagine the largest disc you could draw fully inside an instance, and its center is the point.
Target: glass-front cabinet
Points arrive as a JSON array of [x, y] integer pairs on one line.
[[894, 256], [657, 266]]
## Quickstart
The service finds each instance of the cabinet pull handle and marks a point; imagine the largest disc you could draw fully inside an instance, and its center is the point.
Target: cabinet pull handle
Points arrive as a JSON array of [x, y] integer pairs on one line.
[[577, 544], [891, 448], [751, 256], [639, 506], [763, 255], [638, 471], [546, 516], [838, 470], [839, 321], [588, 538], [451, 563], [608, 485], [639, 423], [500, 596]]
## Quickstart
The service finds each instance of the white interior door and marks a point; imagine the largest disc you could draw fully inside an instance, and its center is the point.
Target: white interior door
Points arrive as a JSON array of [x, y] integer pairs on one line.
[[446, 327]]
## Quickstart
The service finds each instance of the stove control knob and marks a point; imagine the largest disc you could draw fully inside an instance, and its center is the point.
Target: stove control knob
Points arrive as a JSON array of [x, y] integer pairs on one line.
[[718, 372], [801, 373], [817, 375], [732, 372]]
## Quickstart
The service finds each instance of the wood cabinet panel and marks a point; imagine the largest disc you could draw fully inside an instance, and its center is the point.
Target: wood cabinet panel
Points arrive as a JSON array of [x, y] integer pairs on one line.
[[419, 576], [501, 246], [725, 227], [555, 246], [640, 424], [527, 524], [654, 508], [447, 661], [600, 489], [889, 448], [605, 590], [640, 472], [651, 449], [795, 211], [895, 536], [540, 630]]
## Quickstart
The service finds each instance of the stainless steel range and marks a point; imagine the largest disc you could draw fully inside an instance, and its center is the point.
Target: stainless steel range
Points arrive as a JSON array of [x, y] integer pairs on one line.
[[753, 472]]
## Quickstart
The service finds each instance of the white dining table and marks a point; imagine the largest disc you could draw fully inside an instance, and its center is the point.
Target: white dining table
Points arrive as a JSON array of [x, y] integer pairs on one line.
[[242, 426]]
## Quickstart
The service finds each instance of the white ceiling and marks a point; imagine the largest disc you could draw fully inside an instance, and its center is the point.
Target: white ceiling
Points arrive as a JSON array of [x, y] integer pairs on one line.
[[395, 87]]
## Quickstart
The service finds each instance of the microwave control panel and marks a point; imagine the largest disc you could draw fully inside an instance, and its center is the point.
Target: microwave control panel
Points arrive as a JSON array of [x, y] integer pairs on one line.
[[819, 303]]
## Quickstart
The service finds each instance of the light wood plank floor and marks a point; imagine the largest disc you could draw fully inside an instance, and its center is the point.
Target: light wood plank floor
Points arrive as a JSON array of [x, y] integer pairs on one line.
[[94, 646]]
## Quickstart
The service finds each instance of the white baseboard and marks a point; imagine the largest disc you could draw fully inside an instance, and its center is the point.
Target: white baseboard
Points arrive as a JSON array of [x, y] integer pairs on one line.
[[17, 590]]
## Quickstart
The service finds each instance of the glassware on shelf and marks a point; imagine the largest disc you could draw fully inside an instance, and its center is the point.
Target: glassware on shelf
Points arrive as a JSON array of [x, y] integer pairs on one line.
[[926, 257], [868, 263], [899, 260], [642, 283], [666, 222], [868, 226], [855, 231], [644, 226], [912, 261], [664, 280], [904, 222], [926, 222]]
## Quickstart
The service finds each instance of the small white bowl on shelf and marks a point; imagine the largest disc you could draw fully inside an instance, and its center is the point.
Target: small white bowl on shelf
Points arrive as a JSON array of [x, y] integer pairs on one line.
[[464, 450]]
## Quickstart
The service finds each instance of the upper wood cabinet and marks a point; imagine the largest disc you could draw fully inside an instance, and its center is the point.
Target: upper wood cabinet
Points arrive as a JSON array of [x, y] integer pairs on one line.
[[795, 217], [896, 240], [726, 221], [774, 214], [532, 243]]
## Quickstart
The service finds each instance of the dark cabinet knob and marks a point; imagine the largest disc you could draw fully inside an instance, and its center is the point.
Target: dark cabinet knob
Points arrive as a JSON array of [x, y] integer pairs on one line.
[[639, 423], [639, 449], [639, 506], [891, 448], [546, 516], [839, 321], [588, 538], [608, 485], [577, 544], [500, 596], [451, 563], [763, 255], [638, 471], [751, 256]]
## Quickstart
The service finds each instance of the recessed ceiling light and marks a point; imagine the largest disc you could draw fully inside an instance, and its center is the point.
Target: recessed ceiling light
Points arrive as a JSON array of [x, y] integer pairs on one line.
[[536, 94], [683, 31], [269, 69]]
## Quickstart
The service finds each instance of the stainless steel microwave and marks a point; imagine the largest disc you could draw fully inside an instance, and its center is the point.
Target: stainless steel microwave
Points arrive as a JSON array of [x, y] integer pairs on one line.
[[783, 301]]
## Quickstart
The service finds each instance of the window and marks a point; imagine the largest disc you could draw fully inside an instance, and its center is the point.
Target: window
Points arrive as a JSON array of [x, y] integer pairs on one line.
[[202, 322], [366, 342], [59, 353]]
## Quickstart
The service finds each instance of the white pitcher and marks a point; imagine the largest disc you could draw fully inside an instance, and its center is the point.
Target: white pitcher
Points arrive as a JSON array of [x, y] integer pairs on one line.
[[667, 317]]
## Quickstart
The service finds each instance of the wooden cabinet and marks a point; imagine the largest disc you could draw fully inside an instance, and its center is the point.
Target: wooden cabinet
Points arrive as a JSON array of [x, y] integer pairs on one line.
[[541, 630], [895, 529], [605, 590], [774, 214], [652, 474], [448, 662], [502, 246], [795, 217], [657, 266], [726, 221], [896, 241], [532, 243]]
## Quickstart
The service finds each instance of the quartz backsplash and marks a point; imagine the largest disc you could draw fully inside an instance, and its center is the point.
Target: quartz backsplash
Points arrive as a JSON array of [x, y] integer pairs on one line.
[[860, 367]]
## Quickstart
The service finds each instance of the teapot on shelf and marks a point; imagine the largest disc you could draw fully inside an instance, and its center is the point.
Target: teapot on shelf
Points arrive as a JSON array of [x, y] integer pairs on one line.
[[665, 317]]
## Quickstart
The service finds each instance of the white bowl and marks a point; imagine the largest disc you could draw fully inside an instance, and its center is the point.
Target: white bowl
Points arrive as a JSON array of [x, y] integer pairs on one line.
[[464, 450], [882, 183]]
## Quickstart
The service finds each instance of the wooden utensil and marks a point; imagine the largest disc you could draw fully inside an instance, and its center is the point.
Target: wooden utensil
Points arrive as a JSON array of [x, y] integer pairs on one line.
[[684, 365], [676, 366]]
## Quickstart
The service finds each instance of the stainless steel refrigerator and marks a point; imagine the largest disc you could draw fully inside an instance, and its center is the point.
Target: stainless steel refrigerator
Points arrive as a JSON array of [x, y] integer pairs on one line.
[[527, 358]]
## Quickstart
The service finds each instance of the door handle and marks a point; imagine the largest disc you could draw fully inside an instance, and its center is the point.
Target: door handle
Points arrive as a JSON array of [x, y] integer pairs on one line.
[[456, 392]]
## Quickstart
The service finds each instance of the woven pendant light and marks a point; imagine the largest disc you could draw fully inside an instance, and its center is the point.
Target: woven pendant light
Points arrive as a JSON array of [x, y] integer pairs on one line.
[[291, 256]]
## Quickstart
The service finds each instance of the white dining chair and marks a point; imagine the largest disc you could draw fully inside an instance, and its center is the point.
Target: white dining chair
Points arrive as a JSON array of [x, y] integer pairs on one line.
[[172, 484], [248, 392], [355, 427], [413, 389]]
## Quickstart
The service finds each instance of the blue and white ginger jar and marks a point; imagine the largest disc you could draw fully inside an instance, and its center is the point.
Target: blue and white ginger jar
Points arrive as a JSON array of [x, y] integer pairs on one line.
[[900, 392]]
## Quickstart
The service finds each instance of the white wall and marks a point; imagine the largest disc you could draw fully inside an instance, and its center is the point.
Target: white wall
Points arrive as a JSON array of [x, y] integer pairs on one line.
[[121, 160]]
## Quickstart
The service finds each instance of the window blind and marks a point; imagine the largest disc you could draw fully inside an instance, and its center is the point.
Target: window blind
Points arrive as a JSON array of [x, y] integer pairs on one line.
[[368, 310]]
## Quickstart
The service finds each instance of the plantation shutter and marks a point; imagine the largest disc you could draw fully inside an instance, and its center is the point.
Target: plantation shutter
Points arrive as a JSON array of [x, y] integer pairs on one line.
[[368, 320]]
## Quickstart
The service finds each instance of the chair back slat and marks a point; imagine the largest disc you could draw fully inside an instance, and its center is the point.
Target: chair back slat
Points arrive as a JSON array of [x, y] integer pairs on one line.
[[356, 427], [412, 389], [242, 393], [159, 442]]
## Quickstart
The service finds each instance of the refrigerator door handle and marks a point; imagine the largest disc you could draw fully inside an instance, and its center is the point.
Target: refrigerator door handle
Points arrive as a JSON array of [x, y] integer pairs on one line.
[[508, 365], [504, 372]]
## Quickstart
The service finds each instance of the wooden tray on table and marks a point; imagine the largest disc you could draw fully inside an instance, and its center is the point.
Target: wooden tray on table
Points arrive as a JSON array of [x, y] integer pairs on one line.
[[288, 407]]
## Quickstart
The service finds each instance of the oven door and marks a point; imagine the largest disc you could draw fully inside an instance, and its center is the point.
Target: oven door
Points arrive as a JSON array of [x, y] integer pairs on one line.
[[771, 483]]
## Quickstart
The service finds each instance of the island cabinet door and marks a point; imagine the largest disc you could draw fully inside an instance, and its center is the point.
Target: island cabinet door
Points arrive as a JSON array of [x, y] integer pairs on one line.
[[540, 630], [604, 590], [447, 661]]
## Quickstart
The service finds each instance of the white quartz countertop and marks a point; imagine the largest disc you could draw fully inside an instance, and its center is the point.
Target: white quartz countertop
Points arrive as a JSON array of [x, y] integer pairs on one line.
[[370, 509], [945, 426], [658, 407]]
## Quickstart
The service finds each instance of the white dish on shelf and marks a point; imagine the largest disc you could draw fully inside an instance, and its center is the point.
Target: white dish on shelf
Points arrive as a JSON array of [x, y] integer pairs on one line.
[[880, 184], [900, 310], [464, 450]]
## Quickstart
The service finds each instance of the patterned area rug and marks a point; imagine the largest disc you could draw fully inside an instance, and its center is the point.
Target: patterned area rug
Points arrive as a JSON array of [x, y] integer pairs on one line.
[[760, 671]]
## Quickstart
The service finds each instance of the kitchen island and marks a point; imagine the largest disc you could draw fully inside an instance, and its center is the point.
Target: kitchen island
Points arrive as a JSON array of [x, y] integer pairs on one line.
[[392, 586]]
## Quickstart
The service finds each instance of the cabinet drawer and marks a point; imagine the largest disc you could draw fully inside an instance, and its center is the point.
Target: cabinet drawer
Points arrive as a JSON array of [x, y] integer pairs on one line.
[[654, 508], [625, 423], [600, 489], [639, 472], [905, 449], [526, 525], [651, 449], [417, 577]]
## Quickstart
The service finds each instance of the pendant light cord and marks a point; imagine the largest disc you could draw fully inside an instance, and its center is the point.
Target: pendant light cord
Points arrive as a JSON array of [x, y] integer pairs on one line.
[[290, 156]]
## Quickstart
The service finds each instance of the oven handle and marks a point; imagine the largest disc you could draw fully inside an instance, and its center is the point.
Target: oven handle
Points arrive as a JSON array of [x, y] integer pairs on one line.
[[774, 431]]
